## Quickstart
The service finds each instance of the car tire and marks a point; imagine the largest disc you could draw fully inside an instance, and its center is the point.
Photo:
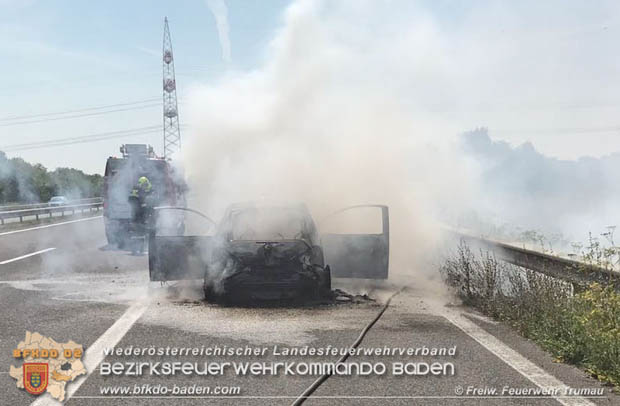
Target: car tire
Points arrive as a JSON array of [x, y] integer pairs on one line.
[[325, 289], [210, 295]]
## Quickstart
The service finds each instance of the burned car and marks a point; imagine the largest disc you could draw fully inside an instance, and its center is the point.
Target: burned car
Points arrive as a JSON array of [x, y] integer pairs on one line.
[[263, 252]]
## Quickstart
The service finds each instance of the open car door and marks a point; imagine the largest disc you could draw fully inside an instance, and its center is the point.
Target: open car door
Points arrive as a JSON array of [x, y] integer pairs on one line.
[[178, 257], [174, 258], [360, 256]]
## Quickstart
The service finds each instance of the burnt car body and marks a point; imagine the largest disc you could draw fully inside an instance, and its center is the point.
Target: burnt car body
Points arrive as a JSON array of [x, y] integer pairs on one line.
[[270, 252]]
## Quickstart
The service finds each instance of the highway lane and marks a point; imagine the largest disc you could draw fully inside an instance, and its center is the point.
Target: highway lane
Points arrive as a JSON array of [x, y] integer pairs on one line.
[[81, 290], [69, 293], [73, 235]]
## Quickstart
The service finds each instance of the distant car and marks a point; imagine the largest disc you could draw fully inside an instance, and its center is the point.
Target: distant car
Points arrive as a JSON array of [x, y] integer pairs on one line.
[[58, 201], [267, 252]]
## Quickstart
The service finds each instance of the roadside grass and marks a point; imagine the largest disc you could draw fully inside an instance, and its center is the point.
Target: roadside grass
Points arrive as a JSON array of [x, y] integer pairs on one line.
[[578, 325]]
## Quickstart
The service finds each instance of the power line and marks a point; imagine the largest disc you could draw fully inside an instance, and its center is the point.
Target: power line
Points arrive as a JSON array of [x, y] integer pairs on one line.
[[86, 136], [156, 131], [82, 139], [153, 99], [98, 113]]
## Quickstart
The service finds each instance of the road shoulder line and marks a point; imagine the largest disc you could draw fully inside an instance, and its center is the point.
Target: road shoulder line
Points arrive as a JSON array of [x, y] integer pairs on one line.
[[8, 261], [518, 362], [49, 225], [94, 354]]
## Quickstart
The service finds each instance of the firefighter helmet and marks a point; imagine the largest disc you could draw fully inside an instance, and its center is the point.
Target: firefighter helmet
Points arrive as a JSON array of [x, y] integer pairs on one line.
[[144, 183]]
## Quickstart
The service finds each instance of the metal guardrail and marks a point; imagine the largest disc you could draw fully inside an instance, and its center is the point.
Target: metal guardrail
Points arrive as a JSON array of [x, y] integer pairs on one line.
[[18, 206], [48, 210], [576, 272]]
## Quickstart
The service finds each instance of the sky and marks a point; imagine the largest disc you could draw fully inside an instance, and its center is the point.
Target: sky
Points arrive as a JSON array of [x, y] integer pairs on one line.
[[66, 55], [541, 72]]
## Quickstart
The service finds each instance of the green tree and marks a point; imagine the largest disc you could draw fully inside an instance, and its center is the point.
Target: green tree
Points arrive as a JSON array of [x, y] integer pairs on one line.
[[22, 182]]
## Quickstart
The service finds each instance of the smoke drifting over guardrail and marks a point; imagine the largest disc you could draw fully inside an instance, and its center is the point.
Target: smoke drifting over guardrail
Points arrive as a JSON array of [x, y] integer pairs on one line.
[[316, 124], [361, 102]]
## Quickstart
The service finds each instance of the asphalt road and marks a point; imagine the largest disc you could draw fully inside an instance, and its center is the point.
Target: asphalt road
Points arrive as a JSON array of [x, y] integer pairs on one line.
[[76, 288]]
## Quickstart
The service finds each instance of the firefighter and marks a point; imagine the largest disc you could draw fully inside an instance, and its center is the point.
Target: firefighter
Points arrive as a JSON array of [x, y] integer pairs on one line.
[[141, 208], [140, 196]]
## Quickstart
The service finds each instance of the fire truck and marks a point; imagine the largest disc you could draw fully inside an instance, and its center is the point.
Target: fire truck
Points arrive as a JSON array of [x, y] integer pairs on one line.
[[121, 176]]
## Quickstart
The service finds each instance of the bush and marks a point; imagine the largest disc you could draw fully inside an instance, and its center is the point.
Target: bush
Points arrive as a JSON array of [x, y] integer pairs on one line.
[[581, 329]]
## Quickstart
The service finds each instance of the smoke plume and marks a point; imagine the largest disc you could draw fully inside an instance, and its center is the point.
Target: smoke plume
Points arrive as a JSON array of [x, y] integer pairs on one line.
[[361, 102], [220, 13], [521, 187], [323, 123]]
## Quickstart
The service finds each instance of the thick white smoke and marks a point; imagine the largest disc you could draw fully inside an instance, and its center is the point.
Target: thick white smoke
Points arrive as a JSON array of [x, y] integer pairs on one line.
[[362, 102], [521, 189], [326, 122]]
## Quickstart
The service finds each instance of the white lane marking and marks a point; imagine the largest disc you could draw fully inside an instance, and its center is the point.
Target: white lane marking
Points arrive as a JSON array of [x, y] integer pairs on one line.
[[49, 225], [515, 360], [94, 353], [8, 261], [481, 318]]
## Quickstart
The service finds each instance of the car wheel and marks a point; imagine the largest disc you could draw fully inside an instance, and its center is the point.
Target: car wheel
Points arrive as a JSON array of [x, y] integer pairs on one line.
[[209, 292], [325, 288]]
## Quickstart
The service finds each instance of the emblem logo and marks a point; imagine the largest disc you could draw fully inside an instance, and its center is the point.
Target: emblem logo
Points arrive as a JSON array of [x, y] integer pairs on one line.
[[35, 377]]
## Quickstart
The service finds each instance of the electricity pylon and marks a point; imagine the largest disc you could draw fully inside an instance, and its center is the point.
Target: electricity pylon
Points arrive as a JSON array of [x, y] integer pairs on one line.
[[172, 133]]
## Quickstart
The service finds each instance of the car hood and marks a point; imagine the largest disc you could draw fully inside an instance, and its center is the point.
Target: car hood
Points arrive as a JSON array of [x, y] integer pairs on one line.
[[268, 253]]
